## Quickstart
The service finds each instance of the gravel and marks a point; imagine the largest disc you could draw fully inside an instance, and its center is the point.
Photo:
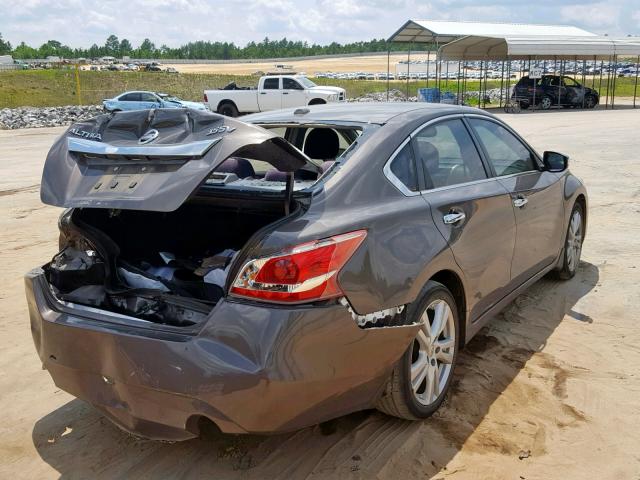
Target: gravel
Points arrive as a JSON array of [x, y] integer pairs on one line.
[[34, 117]]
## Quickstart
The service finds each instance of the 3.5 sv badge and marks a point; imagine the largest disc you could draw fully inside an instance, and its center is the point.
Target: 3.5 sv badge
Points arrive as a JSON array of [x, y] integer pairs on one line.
[[220, 129]]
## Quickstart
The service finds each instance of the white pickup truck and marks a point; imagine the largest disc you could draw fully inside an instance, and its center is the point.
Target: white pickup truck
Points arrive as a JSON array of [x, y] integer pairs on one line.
[[273, 92]]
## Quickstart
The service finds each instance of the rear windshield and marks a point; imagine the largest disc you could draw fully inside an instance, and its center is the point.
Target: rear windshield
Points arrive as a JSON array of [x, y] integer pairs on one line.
[[323, 144]]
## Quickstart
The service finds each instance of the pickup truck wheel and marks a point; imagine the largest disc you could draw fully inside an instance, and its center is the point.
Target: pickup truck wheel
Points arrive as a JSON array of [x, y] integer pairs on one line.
[[546, 102], [420, 380], [317, 101], [228, 109]]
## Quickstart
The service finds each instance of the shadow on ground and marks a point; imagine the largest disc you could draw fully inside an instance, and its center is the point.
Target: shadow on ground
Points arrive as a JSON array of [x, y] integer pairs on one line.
[[80, 443]]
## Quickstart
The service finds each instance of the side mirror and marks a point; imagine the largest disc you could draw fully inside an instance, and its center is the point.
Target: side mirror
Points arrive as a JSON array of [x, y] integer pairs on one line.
[[555, 162]]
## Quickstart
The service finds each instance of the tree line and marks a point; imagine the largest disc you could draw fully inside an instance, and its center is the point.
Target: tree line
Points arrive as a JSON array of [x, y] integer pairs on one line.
[[267, 48]]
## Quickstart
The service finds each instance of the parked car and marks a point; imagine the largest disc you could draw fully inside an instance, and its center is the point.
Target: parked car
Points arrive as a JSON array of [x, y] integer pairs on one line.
[[140, 100], [270, 275], [273, 92], [550, 88]]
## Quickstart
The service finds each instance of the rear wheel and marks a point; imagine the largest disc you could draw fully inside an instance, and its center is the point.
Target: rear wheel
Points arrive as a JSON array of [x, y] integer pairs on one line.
[[573, 243], [421, 378], [228, 109], [546, 102]]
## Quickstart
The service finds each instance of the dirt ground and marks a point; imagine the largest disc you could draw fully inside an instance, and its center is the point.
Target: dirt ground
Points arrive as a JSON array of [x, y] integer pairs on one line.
[[368, 63], [549, 390]]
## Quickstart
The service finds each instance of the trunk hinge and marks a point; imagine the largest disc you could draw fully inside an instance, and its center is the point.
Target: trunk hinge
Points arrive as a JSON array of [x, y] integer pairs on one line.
[[288, 193]]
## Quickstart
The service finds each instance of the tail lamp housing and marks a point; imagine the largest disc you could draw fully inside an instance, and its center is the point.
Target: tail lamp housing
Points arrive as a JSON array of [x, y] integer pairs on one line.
[[304, 273]]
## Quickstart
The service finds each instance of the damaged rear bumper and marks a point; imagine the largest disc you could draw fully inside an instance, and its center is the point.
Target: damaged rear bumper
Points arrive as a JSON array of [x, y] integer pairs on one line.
[[250, 368]]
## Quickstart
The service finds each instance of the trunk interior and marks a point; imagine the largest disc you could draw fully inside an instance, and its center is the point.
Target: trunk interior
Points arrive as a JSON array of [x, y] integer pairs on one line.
[[168, 268]]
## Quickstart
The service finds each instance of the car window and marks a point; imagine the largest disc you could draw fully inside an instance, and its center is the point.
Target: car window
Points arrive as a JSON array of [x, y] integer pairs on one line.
[[505, 152], [290, 84], [271, 84], [554, 81], [570, 82], [148, 97], [130, 97], [403, 166], [448, 154]]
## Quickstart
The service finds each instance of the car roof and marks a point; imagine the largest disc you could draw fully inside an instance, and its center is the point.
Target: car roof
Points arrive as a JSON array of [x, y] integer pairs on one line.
[[356, 112]]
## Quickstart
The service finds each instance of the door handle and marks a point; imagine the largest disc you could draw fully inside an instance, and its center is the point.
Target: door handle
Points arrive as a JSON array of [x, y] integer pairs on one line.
[[453, 218], [263, 93], [520, 201], [285, 93]]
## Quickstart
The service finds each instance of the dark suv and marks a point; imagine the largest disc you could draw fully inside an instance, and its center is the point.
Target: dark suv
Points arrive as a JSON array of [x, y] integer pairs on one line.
[[549, 88]]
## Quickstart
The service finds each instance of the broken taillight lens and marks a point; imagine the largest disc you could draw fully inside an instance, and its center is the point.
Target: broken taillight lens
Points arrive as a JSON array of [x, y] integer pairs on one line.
[[304, 273]]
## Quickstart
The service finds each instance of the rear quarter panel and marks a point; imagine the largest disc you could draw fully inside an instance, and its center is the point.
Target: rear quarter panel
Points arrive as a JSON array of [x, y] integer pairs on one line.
[[245, 100]]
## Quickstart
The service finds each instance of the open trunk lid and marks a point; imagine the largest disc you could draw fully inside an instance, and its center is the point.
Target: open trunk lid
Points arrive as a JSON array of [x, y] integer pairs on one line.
[[152, 159]]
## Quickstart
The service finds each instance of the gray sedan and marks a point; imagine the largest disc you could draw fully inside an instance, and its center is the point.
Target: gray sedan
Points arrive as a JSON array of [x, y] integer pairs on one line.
[[278, 272]]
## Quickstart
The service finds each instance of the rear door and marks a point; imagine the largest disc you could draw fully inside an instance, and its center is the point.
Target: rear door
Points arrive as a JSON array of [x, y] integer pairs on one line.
[[471, 210], [270, 96], [536, 197], [129, 101]]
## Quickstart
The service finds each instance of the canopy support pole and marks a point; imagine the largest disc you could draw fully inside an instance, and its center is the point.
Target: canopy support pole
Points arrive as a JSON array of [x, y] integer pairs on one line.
[[508, 80], [388, 64], [560, 81], [635, 87], [501, 83], [608, 82], [458, 85], [408, 74], [615, 78], [584, 66]]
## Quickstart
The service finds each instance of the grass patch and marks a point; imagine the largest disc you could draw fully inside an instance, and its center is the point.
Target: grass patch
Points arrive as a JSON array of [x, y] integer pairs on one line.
[[43, 88]]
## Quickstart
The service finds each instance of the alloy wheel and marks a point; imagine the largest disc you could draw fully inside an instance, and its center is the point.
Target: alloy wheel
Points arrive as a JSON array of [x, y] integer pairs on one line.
[[574, 240], [433, 351], [545, 104]]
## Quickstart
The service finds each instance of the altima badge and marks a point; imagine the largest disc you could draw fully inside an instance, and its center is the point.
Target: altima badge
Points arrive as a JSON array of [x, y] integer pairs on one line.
[[149, 136]]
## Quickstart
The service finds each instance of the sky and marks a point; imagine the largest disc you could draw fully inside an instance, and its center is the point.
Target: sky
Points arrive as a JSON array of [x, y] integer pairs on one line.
[[80, 23]]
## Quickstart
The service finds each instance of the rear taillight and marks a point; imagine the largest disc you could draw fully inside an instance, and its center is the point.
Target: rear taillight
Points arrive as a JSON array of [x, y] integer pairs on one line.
[[304, 273], [206, 100]]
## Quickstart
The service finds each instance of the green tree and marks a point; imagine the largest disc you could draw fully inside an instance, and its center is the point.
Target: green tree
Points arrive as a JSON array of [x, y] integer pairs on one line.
[[112, 46], [5, 46], [125, 47]]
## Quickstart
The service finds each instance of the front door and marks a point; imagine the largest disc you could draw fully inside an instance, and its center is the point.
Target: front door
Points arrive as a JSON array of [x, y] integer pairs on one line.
[[292, 93], [471, 210], [536, 197]]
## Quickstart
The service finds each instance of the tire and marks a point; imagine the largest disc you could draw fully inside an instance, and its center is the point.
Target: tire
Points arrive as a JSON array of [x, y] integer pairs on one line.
[[399, 398], [590, 101], [572, 248], [228, 109], [317, 101], [546, 102]]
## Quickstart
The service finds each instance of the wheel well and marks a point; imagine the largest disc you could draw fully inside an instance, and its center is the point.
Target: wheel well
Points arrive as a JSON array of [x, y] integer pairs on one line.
[[226, 102], [317, 101], [583, 202], [452, 281]]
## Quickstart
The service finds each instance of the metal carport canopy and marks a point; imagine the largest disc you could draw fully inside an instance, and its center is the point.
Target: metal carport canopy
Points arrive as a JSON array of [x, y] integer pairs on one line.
[[436, 31], [494, 47]]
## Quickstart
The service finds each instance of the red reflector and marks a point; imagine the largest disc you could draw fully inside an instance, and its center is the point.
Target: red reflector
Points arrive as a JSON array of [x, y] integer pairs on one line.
[[304, 273], [205, 98]]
